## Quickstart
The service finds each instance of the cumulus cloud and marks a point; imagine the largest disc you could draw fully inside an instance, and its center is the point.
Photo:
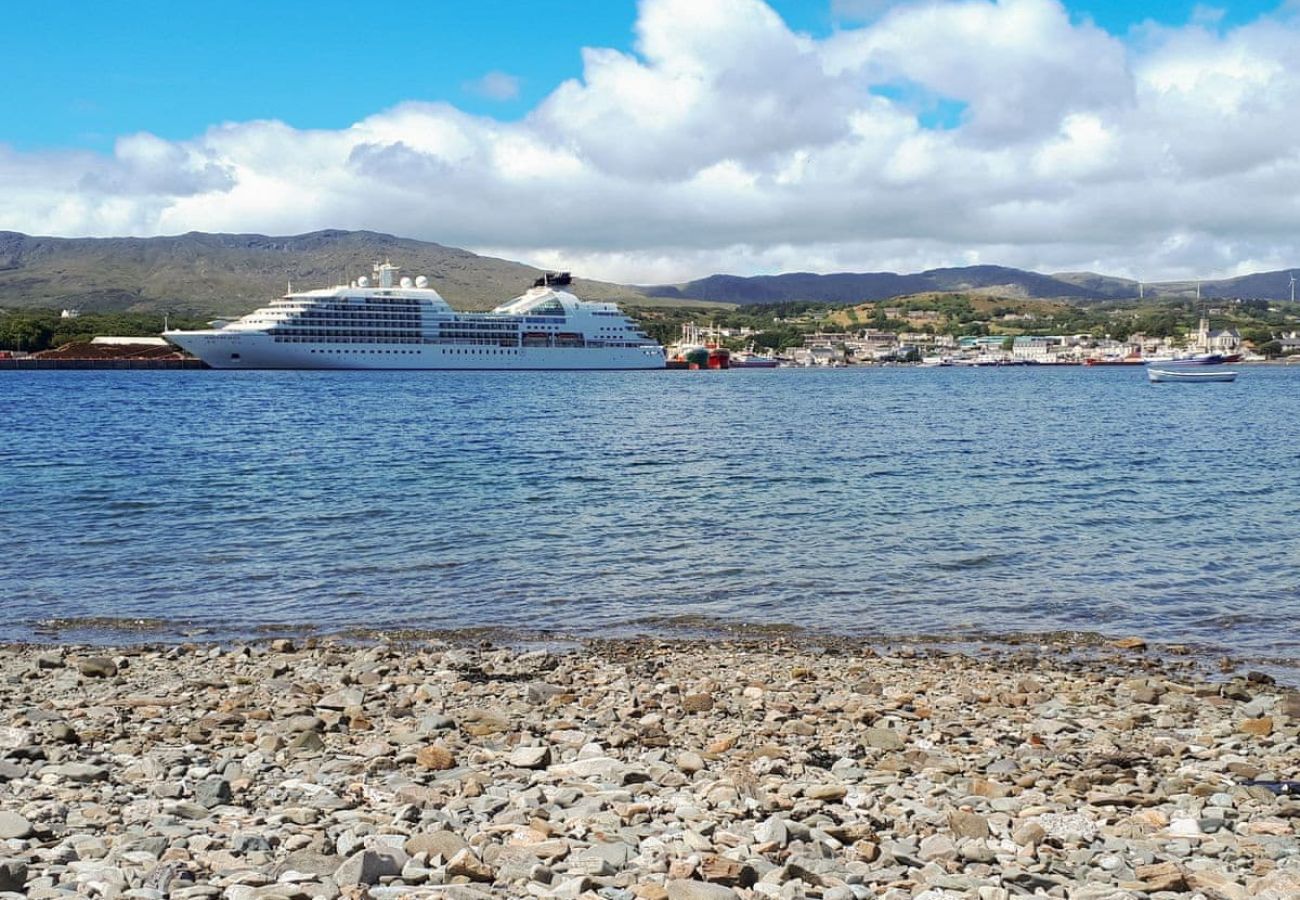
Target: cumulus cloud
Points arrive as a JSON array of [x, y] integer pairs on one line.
[[495, 85], [725, 141], [862, 10]]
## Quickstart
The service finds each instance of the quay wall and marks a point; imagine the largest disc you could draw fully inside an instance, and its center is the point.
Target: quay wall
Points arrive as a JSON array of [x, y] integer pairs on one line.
[[31, 363]]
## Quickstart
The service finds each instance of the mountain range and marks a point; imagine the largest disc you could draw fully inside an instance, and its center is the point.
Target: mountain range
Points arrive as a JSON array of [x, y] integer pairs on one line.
[[1077, 287], [228, 274]]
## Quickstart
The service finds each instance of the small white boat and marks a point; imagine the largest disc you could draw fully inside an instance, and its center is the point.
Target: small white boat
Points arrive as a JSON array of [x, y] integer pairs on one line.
[[1189, 375], [936, 361]]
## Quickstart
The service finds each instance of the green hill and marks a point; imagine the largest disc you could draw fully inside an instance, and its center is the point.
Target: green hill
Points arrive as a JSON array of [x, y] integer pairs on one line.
[[230, 274]]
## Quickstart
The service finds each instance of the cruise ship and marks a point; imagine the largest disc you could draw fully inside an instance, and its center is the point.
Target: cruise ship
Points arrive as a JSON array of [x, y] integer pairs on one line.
[[405, 324]]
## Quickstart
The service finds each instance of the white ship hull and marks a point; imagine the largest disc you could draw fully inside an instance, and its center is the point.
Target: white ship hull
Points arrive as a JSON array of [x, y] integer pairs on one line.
[[225, 349], [410, 326]]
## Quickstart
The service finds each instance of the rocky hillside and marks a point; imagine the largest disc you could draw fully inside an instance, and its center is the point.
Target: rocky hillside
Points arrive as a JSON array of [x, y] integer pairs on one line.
[[1000, 281], [858, 287], [226, 274]]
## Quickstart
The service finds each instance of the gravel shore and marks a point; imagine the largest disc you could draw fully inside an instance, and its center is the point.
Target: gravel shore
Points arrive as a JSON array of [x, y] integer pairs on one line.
[[639, 769]]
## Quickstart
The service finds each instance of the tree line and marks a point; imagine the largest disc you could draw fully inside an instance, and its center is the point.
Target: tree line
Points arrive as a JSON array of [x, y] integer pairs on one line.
[[33, 330]]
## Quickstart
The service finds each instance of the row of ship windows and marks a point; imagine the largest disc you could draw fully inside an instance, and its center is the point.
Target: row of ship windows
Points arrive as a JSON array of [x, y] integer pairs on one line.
[[342, 319], [350, 332], [538, 340], [321, 322], [351, 307], [353, 316], [343, 311], [462, 343], [365, 303], [453, 352], [467, 346], [367, 351], [385, 337], [335, 319], [331, 339]]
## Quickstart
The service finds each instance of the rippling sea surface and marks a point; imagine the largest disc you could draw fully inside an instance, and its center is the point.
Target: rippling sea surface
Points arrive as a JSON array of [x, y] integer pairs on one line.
[[874, 501]]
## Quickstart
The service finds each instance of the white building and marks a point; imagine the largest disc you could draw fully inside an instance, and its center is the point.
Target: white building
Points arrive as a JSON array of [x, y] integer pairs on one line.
[[1035, 348], [110, 341], [1290, 342], [1225, 340]]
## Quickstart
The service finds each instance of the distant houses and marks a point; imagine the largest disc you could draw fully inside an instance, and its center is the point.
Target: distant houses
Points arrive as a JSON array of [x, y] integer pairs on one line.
[[1289, 342], [875, 345]]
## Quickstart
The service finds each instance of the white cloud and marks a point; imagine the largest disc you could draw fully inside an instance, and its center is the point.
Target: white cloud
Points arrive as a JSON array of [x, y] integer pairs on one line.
[[495, 85], [727, 142], [862, 10]]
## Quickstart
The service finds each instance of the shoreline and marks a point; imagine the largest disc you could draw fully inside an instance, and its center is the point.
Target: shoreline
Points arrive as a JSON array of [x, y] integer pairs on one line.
[[1210, 660], [191, 364], [639, 769]]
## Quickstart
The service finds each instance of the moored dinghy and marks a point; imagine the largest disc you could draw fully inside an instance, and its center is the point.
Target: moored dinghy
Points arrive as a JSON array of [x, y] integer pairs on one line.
[[1189, 375]]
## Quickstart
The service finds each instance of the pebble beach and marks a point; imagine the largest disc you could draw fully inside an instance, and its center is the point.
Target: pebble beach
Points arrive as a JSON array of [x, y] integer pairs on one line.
[[640, 770]]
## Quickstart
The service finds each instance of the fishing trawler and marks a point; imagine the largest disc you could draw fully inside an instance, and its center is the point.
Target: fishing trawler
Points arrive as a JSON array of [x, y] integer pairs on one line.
[[700, 348]]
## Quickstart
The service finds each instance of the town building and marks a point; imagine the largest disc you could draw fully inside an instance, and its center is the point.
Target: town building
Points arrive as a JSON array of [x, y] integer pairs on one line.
[[1225, 340], [1290, 342], [1035, 348]]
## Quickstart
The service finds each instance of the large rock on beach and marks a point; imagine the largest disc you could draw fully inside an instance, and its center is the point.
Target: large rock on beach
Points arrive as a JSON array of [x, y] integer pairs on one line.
[[97, 667], [13, 876], [441, 843], [530, 757], [436, 758], [682, 889], [366, 867], [14, 826]]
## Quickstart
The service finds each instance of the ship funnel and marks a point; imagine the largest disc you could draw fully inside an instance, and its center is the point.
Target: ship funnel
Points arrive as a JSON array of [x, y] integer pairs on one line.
[[386, 271], [554, 279]]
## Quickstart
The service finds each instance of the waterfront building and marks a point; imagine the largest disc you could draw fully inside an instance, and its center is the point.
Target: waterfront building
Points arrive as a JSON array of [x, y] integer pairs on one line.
[[824, 339], [982, 342], [1290, 342], [114, 341], [1036, 348], [879, 338], [1225, 340]]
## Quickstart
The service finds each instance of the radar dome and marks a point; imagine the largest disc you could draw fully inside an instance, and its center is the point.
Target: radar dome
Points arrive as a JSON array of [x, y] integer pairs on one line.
[[406, 282], [363, 281], [421, 282]]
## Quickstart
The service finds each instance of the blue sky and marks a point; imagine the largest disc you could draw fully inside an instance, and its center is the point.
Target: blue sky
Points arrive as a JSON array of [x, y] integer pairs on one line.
[[82, 72], [750, 136]]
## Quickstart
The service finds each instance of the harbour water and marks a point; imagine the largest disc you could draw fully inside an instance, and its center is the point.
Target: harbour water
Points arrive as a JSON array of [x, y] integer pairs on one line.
[[877, 501]]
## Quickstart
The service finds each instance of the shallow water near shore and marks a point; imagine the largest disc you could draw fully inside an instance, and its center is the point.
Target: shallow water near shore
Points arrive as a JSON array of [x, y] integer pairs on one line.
[[885, 501]]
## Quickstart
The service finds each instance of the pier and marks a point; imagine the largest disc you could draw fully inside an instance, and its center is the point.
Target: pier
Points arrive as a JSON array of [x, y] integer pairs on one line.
[[32, 362]]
